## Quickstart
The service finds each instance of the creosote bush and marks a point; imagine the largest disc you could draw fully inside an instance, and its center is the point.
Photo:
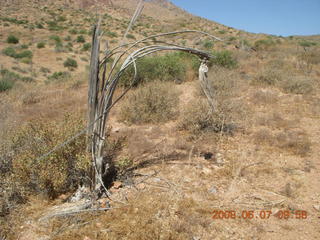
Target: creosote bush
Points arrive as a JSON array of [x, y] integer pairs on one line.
[[154, 102], [223, 58], [168, 67], [11, 52], [264, 44], [70, 63], [81, 39], [12, 39], [41, 45]]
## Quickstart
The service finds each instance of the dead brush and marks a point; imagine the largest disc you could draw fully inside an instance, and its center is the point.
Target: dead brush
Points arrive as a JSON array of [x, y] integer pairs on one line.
[[231, 112], [262, 96], [152, 103], [298, 85], [294, 141], [58, 173]]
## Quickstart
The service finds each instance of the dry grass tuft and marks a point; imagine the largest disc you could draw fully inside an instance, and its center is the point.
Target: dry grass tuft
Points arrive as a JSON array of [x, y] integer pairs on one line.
[[295, 141], [264, 97]]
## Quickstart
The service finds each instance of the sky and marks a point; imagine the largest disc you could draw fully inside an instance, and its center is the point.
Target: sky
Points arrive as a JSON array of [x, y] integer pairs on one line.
[[277, 17]]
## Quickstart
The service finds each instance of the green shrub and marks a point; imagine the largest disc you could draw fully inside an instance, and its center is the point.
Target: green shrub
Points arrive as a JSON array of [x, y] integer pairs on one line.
[[305, 43], [6, 84], [39, 25], [111, 34], [269, 77], [154, 102], [61, 18], [55, 38], [24, 54], [12, 39], [67, 38], [222, 31], [86, 47], [9, 51], [208, 44], [163, 68], [130, 36], [58, 77], [41, 45], [82, 31], [223, 58], [24, 46], [8, 79], [81, 39], [70, 63], [73, 31], [53, 26], [264, 44]]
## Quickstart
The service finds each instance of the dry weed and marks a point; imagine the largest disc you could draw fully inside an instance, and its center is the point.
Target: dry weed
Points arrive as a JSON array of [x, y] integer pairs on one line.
[[154, 102]]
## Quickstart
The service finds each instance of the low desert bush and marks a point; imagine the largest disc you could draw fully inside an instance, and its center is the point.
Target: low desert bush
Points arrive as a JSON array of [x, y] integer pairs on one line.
[[8, 79], [111, 34], [6, 84], [55, 38], [268, 76], [264, 97], [12, 39], [70, 63], [294, 141], [11, 52], [57, 173], [130, 36], [154, 102], [81, 39], [86, 47], [305, 43], [198, 118], [207, 44], [73, 31], [223, 58], [264, 44], [24, 46], [41, 45], [58, 77], [230, 112], [168, 67], [298, 85], [31, 98]]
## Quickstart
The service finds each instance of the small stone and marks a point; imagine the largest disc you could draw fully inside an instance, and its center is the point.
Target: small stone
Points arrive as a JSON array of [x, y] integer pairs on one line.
[[116, 130], [213, 190], [86, 238], [63, 197], [206, 171], [117, 184], [317, 207], [141, 186], [219, 158]]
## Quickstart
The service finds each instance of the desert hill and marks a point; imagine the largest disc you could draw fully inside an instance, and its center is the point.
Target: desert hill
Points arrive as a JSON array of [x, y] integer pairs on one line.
[[248, 170]]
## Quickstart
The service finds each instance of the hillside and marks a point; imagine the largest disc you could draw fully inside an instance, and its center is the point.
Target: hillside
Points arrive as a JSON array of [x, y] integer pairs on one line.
[[182, 171]]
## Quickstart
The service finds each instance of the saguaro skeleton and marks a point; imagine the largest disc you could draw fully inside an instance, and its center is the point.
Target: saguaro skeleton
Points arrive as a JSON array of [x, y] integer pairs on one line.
[[102, 84]]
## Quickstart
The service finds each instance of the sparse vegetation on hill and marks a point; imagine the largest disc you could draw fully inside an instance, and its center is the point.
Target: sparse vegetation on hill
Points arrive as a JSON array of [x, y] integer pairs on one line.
[[175, 157]]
